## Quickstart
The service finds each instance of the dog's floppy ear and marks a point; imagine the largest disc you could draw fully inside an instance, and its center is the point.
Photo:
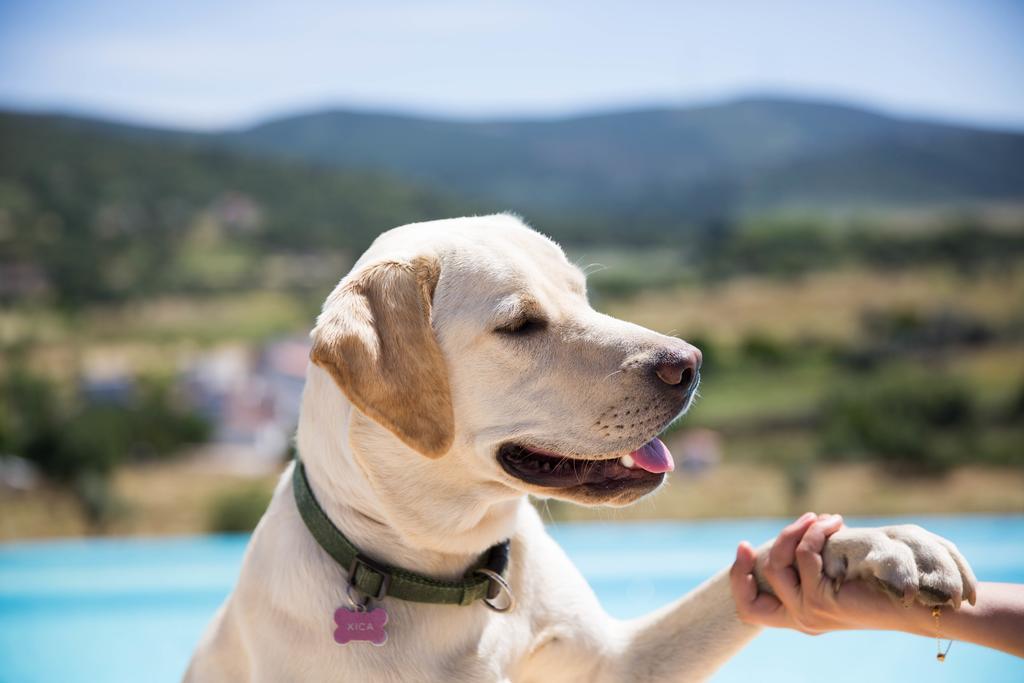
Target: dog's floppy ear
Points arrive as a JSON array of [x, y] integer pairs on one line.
[[374, 338]]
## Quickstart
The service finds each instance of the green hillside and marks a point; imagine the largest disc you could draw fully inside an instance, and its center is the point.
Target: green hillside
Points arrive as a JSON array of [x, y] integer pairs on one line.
[[104, 212]]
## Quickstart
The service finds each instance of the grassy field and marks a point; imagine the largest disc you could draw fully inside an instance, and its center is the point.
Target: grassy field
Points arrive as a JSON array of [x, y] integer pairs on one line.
[[824, 305], [177, 497], [151, 336], [827, 306], [766, 412]]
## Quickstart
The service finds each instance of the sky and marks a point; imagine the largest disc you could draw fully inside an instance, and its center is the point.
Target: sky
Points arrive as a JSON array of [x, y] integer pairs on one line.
[[212, 64]]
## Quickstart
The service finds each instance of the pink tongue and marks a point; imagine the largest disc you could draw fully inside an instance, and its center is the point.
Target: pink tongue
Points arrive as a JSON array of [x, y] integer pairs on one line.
[[653, 456]]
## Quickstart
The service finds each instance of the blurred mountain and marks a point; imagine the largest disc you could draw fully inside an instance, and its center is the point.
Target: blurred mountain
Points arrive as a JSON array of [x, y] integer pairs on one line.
[[93, 209], [657, 165], [696, 162]]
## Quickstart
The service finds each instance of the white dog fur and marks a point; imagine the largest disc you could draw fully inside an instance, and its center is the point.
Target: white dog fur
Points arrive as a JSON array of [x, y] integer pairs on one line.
[[412, 479]]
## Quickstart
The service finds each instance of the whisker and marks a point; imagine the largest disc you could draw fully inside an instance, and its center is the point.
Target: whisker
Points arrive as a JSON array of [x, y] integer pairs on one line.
[[547, 509], [563, 459]]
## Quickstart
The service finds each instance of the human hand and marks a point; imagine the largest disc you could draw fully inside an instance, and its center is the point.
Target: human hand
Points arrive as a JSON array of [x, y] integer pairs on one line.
[[804, 598], [807, 600]]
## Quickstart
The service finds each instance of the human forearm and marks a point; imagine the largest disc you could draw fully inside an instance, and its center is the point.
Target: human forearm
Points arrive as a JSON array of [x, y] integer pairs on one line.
[[996, 620]]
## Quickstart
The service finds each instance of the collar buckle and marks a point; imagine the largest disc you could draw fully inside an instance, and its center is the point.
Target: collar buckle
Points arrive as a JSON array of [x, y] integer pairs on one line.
[[373, 568]]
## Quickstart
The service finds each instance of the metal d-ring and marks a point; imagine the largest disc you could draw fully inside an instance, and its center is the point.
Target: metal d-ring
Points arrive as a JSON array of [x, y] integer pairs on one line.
[[354, 601], [498, 580]]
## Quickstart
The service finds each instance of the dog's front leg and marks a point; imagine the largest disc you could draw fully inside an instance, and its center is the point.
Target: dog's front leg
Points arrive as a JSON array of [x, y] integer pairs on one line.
[[687, 640], [578, 641]]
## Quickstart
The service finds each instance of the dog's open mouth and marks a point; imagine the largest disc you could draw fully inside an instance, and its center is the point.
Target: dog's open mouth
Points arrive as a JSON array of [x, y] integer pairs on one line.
[[645, 466]]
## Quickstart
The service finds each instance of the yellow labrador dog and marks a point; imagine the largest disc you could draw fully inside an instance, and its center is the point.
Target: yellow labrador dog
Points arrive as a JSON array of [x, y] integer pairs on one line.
[[457, 368]]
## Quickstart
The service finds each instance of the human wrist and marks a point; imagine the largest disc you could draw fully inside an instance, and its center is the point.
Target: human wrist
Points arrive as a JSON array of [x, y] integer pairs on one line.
[[913, 618]]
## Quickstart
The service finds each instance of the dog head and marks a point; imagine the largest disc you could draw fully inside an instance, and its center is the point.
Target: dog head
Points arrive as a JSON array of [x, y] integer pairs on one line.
[[471, 341]]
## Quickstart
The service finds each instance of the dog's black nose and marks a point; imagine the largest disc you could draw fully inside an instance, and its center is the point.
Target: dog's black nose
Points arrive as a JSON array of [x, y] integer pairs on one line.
[[679, 367]]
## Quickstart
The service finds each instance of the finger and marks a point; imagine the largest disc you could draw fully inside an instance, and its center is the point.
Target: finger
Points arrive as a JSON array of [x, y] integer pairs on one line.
[[741, 577], [763, 609], [779, 572], [781, 553], [808, 551], [753, 606], [768, 611], [746, 558]]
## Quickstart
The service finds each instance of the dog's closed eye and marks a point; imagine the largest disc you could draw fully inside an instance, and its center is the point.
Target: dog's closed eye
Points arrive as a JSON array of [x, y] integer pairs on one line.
[[522, 326]]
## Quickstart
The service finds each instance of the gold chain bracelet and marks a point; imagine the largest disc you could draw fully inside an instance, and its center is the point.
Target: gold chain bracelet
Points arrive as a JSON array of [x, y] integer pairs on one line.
[[940, 654]]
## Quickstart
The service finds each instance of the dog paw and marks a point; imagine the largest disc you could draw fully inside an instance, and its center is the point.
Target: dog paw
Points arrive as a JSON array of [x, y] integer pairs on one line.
[[906, 561]]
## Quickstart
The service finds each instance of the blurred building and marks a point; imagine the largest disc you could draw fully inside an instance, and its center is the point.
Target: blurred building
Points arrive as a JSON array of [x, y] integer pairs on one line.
[[252, 398]]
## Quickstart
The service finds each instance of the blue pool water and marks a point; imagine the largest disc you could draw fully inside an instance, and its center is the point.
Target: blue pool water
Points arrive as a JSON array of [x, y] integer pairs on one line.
[[131, 610]]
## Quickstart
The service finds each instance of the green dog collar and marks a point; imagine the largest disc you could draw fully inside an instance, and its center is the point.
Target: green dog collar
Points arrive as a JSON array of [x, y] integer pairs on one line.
[[484, 581]]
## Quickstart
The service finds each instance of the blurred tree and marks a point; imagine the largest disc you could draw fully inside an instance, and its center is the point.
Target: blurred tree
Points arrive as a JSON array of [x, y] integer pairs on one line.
[[239, 510], [761, 348], [77, 442], [912, 421], [1016, 410], [780, 245]]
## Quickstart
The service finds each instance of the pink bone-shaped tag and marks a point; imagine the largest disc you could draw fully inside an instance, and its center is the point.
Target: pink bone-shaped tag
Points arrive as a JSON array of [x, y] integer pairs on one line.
[[353, 625]]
